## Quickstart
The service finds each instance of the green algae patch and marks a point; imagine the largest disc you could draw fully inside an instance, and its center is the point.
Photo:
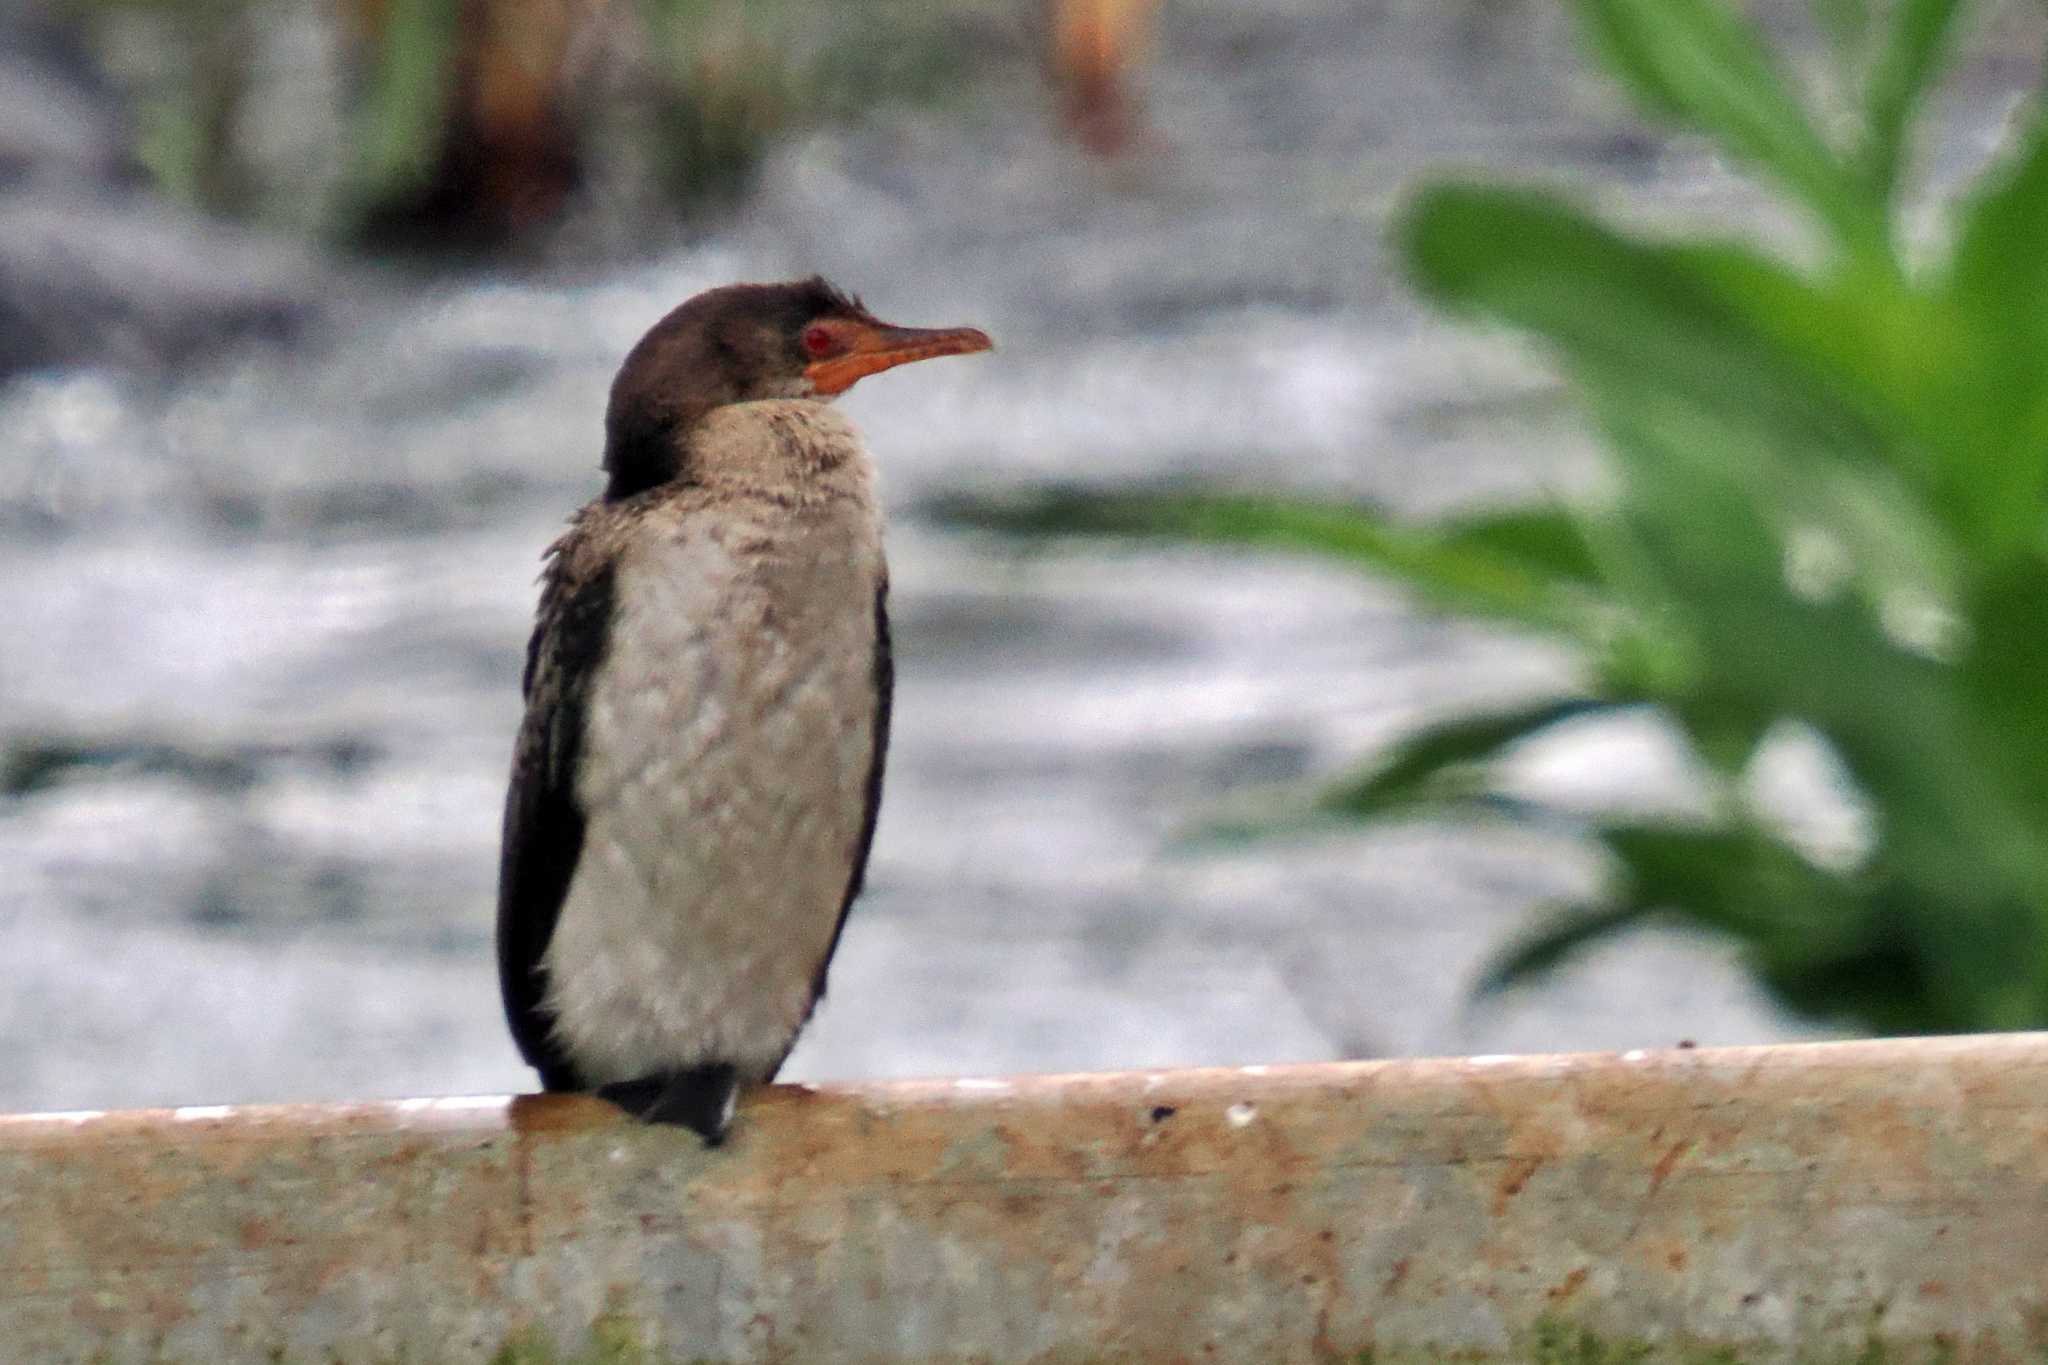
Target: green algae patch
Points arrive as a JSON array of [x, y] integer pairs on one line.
[[613, 1340], [616, 1340], [1556, 1342]]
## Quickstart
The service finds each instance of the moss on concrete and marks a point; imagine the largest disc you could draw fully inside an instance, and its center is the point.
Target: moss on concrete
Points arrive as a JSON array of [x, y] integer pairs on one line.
[[1556, 1342], [613, 1340]]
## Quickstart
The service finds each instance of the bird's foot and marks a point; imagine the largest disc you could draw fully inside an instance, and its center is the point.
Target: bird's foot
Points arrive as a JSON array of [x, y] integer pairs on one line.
[[700, 1099]]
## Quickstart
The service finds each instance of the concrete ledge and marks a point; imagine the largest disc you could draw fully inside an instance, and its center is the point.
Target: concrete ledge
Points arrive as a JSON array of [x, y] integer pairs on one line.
[[1760, 1204]]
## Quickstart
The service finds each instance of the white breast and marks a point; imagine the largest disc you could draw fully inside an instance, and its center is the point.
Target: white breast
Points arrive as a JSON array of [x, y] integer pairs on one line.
[[726, 752]]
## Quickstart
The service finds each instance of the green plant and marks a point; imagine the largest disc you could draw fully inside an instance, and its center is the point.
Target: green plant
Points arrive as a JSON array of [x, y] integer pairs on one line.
[[735, 76], [466, 124], [1826, 511]]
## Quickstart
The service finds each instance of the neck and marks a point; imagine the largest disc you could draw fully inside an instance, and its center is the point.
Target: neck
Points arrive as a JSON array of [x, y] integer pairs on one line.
[[645, 449], [793, 450], [781, 446]]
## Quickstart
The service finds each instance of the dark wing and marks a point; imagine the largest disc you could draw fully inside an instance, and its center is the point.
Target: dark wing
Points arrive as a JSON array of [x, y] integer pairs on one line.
[[543, 823], [885, 690]]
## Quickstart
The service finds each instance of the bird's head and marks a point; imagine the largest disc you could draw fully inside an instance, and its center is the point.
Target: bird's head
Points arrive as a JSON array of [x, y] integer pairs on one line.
[[742, 343]]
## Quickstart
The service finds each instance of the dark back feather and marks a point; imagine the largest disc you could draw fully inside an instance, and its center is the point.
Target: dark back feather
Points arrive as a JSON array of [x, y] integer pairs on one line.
[[543, 822]]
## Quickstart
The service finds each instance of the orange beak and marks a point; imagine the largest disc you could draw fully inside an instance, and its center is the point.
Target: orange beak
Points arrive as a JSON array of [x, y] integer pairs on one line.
[[872, 347]]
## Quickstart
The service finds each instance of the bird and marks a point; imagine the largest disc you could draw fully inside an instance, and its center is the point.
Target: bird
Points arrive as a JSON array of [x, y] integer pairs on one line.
[[708, 692]]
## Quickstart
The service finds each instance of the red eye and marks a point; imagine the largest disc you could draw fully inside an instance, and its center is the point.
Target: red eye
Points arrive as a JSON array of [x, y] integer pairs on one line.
[[817, 340]]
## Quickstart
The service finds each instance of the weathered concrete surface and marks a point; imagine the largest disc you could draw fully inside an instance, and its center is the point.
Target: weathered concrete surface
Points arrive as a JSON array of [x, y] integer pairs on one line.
[[1790, 1202]]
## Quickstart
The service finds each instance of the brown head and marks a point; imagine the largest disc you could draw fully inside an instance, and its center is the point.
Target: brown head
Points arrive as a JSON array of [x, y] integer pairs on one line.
[[744, 342]]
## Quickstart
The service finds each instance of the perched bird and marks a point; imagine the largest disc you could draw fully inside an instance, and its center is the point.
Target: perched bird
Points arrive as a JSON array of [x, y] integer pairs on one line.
[[695, 785]]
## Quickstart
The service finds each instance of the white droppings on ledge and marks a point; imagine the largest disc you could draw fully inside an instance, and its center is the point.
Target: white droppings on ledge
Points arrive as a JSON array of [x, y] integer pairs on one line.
[[192, 1113], [1490, 1059], [412, 1106], [463, 1104], [1253, 1070], [1153, 1081], [982, 1083], [1238, 1115], [1634, 1054]]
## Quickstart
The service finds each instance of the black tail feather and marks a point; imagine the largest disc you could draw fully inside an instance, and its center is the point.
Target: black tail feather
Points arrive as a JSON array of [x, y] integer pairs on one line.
[[700, 1099]]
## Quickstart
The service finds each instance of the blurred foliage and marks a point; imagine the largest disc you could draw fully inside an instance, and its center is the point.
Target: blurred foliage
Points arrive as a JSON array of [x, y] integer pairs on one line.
[[184, 137], [742, 75], [470, 122], [402, 99], [1826, 512]]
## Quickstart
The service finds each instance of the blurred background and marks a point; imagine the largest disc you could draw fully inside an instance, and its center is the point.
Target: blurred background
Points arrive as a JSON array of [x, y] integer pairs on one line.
[[307, 315]]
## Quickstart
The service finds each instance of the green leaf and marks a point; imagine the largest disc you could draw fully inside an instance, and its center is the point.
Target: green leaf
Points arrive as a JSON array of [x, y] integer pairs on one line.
[[1405, 776], [1823, 947], [1556, 936], [1847, 23], [1700, 63], [1881, 987], [1921, 34], [1998, 279], [1999, 275], [1502, 567], [2002, 682], [1857, 368], [1734, 879], [1718, 326], [1546, 539], [2001, 255], [1723, 731], [1936, 397]]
